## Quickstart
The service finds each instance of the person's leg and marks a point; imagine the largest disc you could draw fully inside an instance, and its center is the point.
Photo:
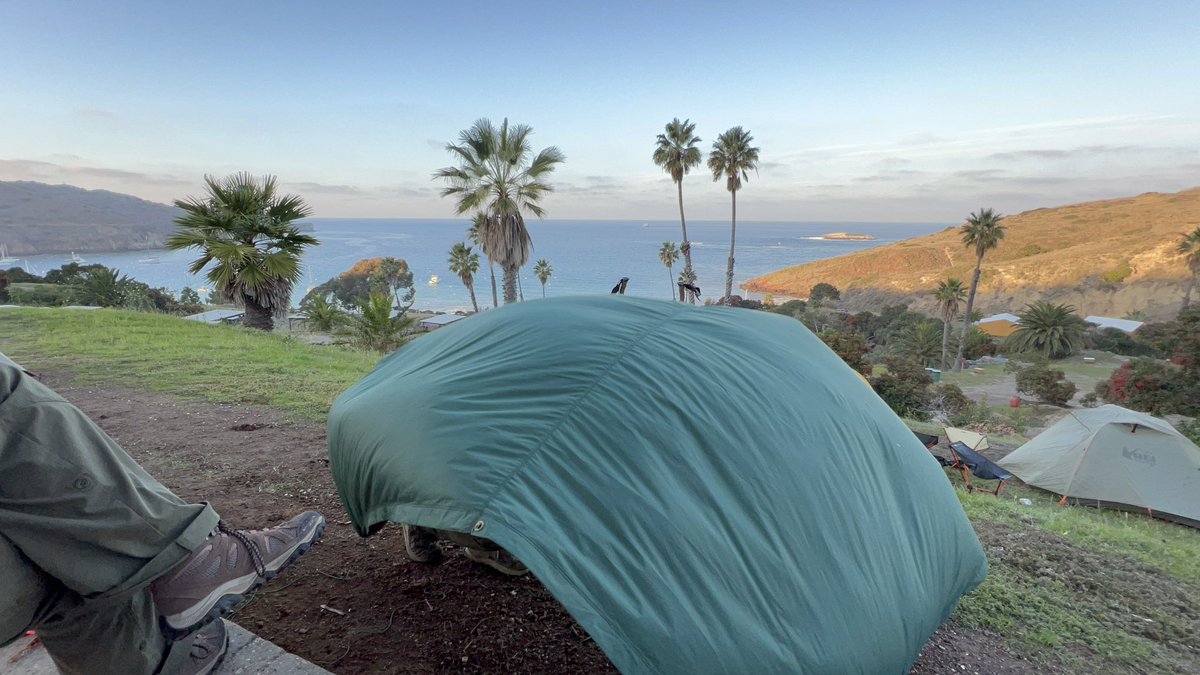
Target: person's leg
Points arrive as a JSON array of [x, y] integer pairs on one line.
[[77, 505]]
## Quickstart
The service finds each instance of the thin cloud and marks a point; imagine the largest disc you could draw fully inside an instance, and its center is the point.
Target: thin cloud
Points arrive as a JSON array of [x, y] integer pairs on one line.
[[322, 188], [1073, 153], [95, 113]]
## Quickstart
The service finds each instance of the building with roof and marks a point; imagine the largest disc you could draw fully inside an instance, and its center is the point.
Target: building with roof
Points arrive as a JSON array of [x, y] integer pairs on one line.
[[999, 325], [439, 320], [218, 316], [1125, 325]]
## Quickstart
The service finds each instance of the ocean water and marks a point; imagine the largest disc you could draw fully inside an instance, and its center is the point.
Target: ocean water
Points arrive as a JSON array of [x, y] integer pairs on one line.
[[587, 256]]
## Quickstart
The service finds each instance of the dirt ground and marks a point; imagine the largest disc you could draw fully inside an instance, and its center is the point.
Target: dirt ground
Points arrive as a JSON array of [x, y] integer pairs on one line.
[[355, 605]]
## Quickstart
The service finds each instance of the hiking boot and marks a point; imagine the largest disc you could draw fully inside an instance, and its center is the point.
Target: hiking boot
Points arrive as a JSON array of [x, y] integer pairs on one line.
[[208, 649], [421, 545], [500, 560], [230, 563]]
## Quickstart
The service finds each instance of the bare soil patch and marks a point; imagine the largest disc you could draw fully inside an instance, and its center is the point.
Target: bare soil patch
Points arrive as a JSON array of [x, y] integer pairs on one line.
[[393, 615]]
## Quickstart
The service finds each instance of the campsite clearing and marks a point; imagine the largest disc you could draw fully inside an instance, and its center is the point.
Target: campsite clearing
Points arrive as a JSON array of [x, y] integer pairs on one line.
[[1072, 590]]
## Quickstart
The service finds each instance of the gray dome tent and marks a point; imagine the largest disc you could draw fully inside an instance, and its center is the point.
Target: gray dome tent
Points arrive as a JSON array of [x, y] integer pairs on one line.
[[1117, 457], [705, 489]]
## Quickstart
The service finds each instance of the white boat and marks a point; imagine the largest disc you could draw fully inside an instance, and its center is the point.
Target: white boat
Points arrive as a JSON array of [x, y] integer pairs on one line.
[[5, 258], [433, 280], [645, 224], [149, 261], [76, 259]]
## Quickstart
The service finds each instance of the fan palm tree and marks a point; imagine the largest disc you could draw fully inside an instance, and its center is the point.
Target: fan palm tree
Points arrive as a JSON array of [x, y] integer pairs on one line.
[[1052, 330], [378, 324], [1190, 248], [982, 232], [733, 158], [475, 234], [248, 234], [465, 263], [676, 152], [669, 255], [543, 271], [322, 314], [499, 176], [949, 294], [103, 287]]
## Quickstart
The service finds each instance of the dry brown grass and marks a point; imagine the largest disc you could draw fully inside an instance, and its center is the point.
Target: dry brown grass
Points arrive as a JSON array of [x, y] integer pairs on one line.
[[1044, 250]]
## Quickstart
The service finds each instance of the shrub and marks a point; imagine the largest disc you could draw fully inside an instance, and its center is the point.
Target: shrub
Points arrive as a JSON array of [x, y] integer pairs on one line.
[[948, 399], [851, 347], [1044, 383], [905, 388], [1090, 400], [1116, 275], [824, 291], [322, 315], [3, 286], [189, 296], [1151, 386], [1117, 341], [1191, 430], [792, 308], [979, 344], [44, 295]]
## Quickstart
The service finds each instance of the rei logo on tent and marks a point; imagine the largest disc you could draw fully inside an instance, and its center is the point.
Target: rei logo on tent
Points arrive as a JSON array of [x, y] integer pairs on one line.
[[1139, 456]]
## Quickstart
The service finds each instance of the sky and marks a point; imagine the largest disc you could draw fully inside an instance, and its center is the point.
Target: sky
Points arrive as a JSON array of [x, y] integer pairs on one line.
[[862, 111]]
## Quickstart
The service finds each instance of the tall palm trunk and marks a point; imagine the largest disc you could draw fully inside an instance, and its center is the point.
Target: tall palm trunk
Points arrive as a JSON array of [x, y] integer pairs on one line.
[[520, 286], [1187, 295], [671, 281], [510, 283], [492, 271], [732, 241], [256, 315], [947, 319], [543, 290], [962, 342], [687, 245], [471, 290]]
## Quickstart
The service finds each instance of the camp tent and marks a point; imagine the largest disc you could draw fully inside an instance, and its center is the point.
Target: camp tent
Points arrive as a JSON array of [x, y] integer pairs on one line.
[[705, 489], [1115, 456]]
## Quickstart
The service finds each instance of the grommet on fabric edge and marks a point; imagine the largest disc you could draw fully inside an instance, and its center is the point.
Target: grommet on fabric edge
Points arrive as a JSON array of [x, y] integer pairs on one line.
[[479, 526], [82, 483]]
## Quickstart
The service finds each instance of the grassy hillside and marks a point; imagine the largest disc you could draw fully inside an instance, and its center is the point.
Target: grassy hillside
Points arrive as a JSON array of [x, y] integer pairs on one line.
[[222, 364], [1074, 590], [1105, 257]]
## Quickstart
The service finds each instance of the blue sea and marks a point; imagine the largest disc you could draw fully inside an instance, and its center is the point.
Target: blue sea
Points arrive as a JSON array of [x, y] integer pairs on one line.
[[588, 256]]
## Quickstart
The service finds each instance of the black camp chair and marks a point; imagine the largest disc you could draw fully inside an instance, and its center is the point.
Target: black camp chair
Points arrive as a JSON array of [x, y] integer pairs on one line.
[[969, 463], [930, 442]]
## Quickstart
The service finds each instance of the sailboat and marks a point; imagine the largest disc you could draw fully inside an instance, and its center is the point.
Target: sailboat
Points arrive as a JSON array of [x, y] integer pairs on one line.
[[76, 259], [433, 280], [5, 258]]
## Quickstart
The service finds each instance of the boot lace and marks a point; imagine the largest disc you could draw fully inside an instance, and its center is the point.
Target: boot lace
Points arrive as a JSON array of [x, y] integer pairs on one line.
[[260, 567]]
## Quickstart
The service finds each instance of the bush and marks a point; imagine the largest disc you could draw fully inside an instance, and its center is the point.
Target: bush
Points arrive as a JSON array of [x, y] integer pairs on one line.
[[1090, 400], [1151, 386], [1191, 430], [1116, 275], [948, 399], [3, 286], [979, 344], [824, 291], [792, 308], [1117, 341], [44, 295], [1044, 383], [905, 388], [851, 347]]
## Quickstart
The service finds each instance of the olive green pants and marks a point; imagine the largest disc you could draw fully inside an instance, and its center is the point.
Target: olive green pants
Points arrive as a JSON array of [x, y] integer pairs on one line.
[[83, 532]]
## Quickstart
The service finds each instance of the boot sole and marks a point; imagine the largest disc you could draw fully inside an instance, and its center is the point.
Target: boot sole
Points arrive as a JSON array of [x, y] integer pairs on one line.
[[229, 599]]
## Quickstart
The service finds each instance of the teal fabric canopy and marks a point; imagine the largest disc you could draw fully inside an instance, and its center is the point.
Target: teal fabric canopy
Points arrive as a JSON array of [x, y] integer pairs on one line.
[[705, 489]]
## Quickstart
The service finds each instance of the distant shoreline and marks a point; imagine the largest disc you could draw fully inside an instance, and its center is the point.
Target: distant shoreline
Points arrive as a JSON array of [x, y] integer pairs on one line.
[[847, 236]]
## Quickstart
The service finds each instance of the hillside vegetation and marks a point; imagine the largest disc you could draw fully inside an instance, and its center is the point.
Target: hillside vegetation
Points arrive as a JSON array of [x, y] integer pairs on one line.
[[39, 218], [1107, 257]]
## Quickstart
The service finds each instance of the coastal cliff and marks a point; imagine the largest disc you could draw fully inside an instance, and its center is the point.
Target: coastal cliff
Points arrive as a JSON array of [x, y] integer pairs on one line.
[[1108, 257]]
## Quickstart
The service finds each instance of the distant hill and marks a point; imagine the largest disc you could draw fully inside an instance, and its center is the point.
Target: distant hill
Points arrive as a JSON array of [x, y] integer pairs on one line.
[[40, 218], [1107, 257]]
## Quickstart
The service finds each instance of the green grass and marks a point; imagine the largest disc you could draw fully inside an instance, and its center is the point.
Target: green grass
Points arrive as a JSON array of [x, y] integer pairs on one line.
[[165, 353], [992, 374]]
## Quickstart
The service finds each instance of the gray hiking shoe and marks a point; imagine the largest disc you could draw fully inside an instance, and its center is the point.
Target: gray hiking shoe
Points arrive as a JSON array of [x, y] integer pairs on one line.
[[421, 545], [208, 649], [215, 577], [500, 560]]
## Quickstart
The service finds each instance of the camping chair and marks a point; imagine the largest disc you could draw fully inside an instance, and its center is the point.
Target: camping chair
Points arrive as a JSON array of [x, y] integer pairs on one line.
[[973, 440], [969, 463]]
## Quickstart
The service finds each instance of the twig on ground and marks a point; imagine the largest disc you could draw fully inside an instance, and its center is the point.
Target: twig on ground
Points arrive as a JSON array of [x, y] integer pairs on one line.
[[326, 574], [334, 610]]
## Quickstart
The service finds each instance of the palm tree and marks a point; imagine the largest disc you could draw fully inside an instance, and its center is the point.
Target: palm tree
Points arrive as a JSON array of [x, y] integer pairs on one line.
[[1190, 247], [322, 314], [983, 233], [543, 271], [919, 342], [378, 324], [475, 234], [677, 154], [733, 158], [247, 232], [1052, 330], [669, 255], [949, 294], [465, 263], [499, 176]]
